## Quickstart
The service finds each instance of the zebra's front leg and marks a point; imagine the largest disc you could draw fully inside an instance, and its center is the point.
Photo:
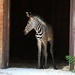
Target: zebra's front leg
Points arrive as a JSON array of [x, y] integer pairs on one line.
[[45, 55], [39, 53]]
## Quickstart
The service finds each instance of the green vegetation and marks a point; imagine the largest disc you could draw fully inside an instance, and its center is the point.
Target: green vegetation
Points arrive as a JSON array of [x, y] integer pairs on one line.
[[71, 60]]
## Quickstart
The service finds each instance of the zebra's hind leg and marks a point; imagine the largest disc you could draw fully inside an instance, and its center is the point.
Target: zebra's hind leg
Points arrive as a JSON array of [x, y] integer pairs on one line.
[[42, 56], [51, 51]]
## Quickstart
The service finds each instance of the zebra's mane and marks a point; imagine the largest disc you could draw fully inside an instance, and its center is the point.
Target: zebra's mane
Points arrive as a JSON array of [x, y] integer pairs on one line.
[[40, 20]]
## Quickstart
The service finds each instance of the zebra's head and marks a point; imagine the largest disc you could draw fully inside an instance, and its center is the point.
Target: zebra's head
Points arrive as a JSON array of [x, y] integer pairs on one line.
[[30, 23]]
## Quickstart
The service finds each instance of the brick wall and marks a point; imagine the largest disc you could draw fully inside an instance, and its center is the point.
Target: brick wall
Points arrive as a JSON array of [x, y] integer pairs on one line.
[[1, 30]]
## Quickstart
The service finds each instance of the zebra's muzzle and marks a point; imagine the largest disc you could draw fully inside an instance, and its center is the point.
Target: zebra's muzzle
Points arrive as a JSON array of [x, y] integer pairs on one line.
[[24, 32]]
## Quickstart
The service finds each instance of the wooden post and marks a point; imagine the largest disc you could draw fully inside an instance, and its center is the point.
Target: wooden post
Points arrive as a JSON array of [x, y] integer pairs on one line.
[[1, 30], [4, 33], [5, 53], [72, 30]]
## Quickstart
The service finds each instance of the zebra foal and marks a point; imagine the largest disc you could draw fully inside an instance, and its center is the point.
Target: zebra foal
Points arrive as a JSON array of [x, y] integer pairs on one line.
[[44, 34]]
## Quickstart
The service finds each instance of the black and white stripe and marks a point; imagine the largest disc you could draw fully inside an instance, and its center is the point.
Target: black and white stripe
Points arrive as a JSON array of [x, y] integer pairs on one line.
[[40, 28]]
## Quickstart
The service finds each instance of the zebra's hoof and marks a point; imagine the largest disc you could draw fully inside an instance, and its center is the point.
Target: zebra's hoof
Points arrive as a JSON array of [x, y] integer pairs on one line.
[[41, 67], [45, 67], [55, 67]]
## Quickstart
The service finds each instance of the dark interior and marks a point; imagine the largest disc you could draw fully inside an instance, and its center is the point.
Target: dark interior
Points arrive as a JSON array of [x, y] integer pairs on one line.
[[54, 12]]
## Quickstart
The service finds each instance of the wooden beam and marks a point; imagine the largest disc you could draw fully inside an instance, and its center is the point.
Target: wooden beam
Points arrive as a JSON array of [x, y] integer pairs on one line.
[[1, 30], [5, 51], [72, 30]]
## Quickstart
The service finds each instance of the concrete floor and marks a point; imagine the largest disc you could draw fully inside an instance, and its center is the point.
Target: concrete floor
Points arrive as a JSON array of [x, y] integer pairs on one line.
[[33, 63]]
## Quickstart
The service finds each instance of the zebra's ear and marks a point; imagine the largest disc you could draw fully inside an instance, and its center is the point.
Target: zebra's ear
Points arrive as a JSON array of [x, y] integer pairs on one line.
[[29, 14]]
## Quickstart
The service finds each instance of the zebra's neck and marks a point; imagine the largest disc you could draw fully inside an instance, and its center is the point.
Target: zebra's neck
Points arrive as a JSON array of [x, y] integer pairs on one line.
[[39, 27], [40, 30]]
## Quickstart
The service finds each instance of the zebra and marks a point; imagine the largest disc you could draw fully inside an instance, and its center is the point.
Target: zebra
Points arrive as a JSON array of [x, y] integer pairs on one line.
[[44, 34]]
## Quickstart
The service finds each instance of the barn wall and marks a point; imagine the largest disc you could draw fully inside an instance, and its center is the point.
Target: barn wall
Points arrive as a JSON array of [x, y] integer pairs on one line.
[[1, 30]]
